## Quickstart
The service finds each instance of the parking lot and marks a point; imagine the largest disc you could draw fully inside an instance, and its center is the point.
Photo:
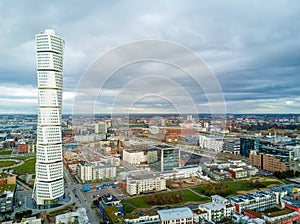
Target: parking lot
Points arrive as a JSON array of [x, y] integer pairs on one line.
[[93, 194]]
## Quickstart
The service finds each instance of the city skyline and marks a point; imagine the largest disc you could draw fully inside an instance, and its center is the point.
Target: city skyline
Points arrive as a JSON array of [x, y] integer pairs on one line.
[[252, 48]]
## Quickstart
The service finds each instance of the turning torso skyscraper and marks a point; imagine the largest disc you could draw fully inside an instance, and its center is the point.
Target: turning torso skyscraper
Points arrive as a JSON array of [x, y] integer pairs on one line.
[[49, 183]]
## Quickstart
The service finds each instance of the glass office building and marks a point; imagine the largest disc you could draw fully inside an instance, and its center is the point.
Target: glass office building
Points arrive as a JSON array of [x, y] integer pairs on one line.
[[163, 157]]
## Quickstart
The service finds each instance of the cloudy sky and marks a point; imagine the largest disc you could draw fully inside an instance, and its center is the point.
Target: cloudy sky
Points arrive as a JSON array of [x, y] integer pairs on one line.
[[252, 49]]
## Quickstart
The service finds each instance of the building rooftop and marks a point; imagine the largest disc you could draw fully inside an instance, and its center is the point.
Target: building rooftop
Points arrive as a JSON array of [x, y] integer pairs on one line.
[[219, 198], [175, 213], [109, 198], [290, 201], [7, 188], [284, 211], [112, 212], [251, 196], [198, 211], [140, 175], [164, 146], [137, 215], [212, 206]]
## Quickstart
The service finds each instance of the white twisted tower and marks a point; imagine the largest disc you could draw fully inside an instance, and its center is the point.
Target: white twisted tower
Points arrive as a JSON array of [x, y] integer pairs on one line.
[[49, 184]]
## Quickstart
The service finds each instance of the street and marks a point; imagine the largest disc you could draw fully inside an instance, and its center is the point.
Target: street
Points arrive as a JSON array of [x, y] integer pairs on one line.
[[80, 201]]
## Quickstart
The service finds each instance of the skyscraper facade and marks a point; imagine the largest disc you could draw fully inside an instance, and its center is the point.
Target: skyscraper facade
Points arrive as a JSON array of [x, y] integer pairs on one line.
[[163, 157], [247, 144], [49, 183]]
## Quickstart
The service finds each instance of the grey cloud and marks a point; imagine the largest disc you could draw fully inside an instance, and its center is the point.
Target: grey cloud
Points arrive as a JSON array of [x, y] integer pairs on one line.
[[253, 47]]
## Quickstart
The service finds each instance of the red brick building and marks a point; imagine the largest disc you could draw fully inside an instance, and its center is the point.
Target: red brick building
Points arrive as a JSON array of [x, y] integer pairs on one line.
[[22, 148]]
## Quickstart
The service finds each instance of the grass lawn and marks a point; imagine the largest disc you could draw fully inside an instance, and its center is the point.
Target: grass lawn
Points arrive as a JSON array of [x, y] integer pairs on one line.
[[5, 152], [9, 187], [189, 196], [23, 157], [268, 183], [140, 202], [128, 208], [238, 186], [4, 163], [286, 181], [27, 168], [242, 185]]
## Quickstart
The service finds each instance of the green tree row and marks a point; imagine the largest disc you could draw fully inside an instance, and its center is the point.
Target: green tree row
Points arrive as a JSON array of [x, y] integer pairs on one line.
[[210, 189], [164, 199], [286, 174]]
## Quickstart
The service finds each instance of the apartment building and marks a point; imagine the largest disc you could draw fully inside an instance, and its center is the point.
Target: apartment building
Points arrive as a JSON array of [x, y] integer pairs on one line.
[[211, 142], [134, 157], [89, 171], [257, 201], [217, 210], [139, 182], [275, 160]]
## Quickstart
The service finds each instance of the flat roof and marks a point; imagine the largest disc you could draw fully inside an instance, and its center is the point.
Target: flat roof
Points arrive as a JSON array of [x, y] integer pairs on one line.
[[251, 196], [212, 206], [175, 213], [284, 211], [140, 175]]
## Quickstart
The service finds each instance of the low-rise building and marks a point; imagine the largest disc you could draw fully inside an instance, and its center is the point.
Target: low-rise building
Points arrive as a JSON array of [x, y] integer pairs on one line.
[[183, 172], [7, 192], [216, 212], [30, 220], [142, 218], [283, 216], [218, 174], [211, 142], [232, 147], [78, 217], [257, 201], [237, 173], [134, 157], [199, 215], [88, 171], [138, 182], [110, 208], [22, 148], [219, 209], [183, 215]]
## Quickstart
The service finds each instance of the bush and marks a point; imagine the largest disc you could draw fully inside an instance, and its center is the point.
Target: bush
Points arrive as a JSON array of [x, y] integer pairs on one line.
[[25, 214], [286, 174], [210, 189], [163, 199], [255, 184]]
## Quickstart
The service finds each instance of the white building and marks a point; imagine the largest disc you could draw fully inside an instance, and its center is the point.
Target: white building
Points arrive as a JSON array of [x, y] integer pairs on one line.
[[211, 142], [217, 210], [182, 215], [147, 217], [30, 220], [49, 184], [79, 217], [256, 201], [90, 171], [154, 130], [138, 182], [134, 157], [199, 216], [101, 128], [183, 172]]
